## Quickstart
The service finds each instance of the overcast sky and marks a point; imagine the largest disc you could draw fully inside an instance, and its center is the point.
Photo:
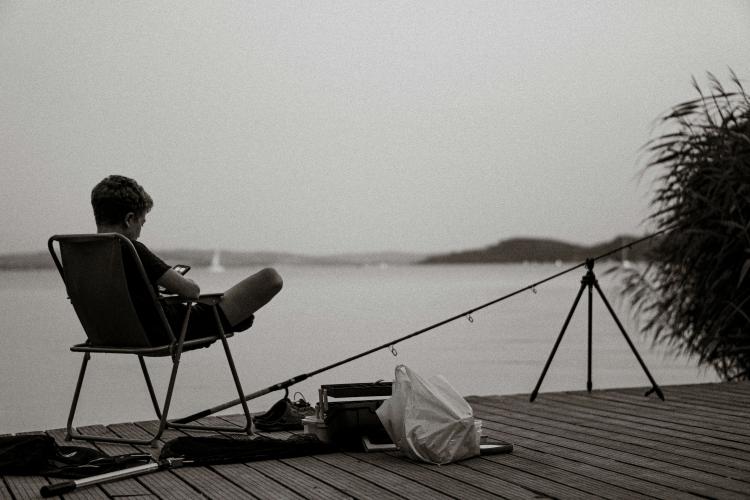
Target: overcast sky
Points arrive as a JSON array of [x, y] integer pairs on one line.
[[326, 127]]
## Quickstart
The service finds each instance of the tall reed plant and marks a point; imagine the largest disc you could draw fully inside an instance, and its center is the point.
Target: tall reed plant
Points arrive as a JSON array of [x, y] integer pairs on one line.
[[694, 293]]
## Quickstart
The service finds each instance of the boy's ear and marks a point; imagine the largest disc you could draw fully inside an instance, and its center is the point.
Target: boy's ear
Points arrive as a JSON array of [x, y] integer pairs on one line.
[[129, 218]]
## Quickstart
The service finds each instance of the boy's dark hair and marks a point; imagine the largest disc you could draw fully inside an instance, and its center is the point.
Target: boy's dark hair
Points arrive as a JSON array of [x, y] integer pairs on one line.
[[115, 196]]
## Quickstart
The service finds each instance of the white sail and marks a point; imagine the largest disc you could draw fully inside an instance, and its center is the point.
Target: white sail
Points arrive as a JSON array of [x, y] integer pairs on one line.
[[216, 266], [626, 264]]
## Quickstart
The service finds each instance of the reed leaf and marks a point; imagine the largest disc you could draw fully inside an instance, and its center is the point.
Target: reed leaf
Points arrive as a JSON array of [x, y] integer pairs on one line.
[[694, 294]]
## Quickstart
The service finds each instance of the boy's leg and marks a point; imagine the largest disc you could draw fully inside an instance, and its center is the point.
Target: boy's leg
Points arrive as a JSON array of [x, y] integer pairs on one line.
[[249, 295]]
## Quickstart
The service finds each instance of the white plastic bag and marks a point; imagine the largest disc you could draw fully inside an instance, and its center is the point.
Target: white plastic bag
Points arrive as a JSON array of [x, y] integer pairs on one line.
[[428, 420]]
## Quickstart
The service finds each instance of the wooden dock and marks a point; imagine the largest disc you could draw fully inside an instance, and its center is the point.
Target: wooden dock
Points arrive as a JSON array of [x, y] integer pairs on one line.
[[606, 444]]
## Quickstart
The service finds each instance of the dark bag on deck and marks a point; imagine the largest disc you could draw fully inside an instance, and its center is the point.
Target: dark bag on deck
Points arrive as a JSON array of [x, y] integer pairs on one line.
[[208, 450], [39, 455]]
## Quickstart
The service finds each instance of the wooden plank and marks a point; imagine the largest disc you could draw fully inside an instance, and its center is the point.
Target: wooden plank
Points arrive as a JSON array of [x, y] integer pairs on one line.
[[741, 386], [589, 481], [727, 393], [678, 477], [165, 484], [662, 416], [29, 486], [520, 479], [168, 486], [686, 411], [681, 391], [151, 426], [715, 399], [233, 419], [108, 448], [666, 422], [701, 455], [90, 493], [259, 484], [298, 481], [126, 487], [722, 407], [225, 482], [132, 431], [4, 491], [575, 431], [211, 484], [24, 487], [534, 480], [659, 479], [249, 479], [458, 482], [608, 471], [270, 486], [237, 421], [671, 404], [655, 425], [607, 444], [59, 436], [396, 484], [721, 389], [339, 479], [330, 459]]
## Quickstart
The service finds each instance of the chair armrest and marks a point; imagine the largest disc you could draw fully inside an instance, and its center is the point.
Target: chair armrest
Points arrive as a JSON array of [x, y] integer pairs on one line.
[[173, 299], [204, 298], [210, 298]]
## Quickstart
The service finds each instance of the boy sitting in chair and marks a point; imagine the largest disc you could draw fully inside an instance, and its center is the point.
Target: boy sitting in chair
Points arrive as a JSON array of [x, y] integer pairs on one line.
[[120, 206]]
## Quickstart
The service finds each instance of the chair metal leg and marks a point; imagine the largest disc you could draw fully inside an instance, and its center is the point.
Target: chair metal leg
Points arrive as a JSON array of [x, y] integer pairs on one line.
[[76, 395], [163, 423], [71, 434], [237, 384], [248, 429], [150, 386]]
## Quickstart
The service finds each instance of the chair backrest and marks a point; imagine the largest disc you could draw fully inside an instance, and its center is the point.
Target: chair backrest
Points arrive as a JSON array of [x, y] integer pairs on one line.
[[93, 269]]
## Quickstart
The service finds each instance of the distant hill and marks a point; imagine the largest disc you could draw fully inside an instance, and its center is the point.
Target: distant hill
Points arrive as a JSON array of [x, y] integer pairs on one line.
[[505, 251], [36, 260], [202, 258], [541, 250]]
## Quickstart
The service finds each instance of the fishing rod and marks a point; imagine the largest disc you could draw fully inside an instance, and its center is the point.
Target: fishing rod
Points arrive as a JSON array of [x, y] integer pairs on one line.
[[389, 345], [56, 489]]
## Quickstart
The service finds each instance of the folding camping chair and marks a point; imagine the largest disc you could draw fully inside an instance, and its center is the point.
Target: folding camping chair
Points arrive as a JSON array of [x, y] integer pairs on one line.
[[92, 268]]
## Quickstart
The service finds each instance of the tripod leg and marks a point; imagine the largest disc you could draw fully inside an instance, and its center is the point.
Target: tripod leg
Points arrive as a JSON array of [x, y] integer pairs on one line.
[[557, 343], [654, 386], [589, 385]]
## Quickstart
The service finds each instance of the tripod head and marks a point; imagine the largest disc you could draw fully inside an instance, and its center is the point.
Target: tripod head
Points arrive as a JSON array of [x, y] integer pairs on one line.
[[589, 278]]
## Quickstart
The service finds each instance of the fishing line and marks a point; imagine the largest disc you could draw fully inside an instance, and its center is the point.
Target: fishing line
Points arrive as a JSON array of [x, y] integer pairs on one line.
[[391, 345]]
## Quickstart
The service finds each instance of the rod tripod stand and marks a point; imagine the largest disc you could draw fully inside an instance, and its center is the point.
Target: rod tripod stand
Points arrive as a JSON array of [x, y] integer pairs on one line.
[[589, 281]]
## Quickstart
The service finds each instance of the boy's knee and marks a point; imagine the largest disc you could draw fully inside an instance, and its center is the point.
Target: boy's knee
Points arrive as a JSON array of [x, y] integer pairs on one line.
[[273, 279]]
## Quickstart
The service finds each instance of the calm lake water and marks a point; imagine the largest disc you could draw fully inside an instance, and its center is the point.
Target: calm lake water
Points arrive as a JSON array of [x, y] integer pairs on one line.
[[323, 315]]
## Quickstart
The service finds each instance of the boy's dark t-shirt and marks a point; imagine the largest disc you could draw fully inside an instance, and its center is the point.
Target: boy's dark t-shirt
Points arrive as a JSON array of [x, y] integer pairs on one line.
[[154, 266], [202, 322], [140, 296]]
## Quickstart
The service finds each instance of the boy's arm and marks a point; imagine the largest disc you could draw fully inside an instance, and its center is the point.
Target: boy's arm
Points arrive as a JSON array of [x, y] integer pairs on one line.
[[176, 283]]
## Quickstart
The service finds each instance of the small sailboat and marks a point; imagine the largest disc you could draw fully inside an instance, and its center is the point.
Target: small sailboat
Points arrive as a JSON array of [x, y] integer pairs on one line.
[[216, 266], [626, 264]]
